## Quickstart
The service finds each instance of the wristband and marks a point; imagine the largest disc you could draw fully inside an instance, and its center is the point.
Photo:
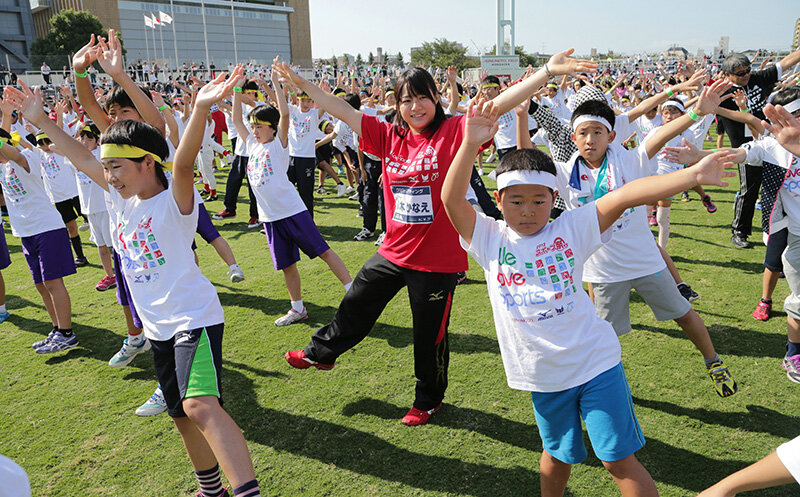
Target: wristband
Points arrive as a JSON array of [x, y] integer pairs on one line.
[[797, 79], [163, 107], [79, 74], [547, 71], [693, 115], [745, 110], [670, 92], [1, 143], [714, 150], [237, 89]]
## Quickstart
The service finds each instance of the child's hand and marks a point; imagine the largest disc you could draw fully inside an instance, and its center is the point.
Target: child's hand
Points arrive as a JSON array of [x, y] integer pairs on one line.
[[109, 55], [687, 154], [217, 89], [28, 102], [481, 122], [522, 109], [711, 169], [287, 72], [85, 56], [158, 100], [740, 98], [562, 63], [784, 126], [693, 83], [451, 73], [712, 96]]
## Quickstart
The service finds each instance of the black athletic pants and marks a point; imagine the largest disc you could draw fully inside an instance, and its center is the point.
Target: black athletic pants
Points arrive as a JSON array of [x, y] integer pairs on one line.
[[301, 173], [430, 295], [238, 173], [745, 204], [372, 195], [484, 199]]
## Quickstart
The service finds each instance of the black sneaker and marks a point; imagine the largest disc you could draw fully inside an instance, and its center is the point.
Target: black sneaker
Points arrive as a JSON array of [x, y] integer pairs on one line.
[[740, 241], [687, 292], [81, 261]]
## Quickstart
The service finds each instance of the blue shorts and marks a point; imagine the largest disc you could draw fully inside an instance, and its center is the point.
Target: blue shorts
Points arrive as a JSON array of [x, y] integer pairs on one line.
[[287, 236], [604, 403]]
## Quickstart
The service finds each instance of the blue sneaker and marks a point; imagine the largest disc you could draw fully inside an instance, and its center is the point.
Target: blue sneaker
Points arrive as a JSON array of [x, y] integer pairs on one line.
[[4, 316], [57, 343], [154, 405], [46, 339], [127, 353]]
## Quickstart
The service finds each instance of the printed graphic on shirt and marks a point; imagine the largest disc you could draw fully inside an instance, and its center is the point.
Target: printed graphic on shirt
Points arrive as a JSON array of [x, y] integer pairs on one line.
[[259, 169], [506, 119], [13, 188], [83, 179], [301, 127], [549, 276], [412, 204], [424, 163], [140, 251], [51, 167]]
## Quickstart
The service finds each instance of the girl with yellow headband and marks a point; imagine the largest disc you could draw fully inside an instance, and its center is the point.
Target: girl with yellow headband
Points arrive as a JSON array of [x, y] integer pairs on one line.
[[155, 222]]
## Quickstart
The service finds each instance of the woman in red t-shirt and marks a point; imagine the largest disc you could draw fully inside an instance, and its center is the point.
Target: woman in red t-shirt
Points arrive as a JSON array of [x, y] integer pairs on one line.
[[421, 248]]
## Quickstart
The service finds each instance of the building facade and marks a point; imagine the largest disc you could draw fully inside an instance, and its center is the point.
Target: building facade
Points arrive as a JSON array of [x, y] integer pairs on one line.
[[16, 34]]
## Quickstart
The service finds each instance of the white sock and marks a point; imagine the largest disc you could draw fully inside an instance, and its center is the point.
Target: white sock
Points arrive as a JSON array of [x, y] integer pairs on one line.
[[233, 266], [298, 306], [136, 339], [662, 216], [346, 288], [3, 308]]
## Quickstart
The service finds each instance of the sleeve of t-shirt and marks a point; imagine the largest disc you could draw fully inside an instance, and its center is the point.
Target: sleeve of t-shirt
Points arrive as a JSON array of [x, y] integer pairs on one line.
[[583, 225], [34, 159], [640, 161], [769, 75], [373, 135], [789, 454], [174, 213], [755, 152], [486, 229]]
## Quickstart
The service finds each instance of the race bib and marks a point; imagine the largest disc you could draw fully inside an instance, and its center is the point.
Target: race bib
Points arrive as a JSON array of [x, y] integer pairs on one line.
[[412, 204]]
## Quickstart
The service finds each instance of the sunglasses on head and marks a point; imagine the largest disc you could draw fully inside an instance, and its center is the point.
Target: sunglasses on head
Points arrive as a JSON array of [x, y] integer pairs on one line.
[[742, 73]]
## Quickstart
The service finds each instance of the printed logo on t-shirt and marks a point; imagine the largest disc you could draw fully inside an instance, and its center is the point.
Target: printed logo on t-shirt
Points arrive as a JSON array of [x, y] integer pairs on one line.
[[425, 163], [412, 204], [140, 251], [506, 119], [51, 167], [301, 126], [83, 179], [13, 188], [259, 169]]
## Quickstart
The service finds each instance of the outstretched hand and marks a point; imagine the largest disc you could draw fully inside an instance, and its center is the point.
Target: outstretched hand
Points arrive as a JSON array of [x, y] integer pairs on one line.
[[712, 169], [784, 126], [712, 96], [288, 73], [109, 54], [481, 122], [561, 63], [85, 56], [687, 154], [217, 89], [28, 102]]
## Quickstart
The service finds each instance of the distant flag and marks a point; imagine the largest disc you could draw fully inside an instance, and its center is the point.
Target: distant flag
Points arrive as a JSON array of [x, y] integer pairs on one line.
[[148, 23], [165, 18], [156, 22]]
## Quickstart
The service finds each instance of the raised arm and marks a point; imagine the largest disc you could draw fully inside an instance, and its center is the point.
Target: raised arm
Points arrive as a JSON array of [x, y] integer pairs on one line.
[[30, 104], [479, 127], [784, 126], [183, 165], [110, 58], [523, 135], [693, 83], [169, 117], [559, 64], [451, 74], [283, 106], [790, 60], [81, 61], [236, 110], [331, 103]]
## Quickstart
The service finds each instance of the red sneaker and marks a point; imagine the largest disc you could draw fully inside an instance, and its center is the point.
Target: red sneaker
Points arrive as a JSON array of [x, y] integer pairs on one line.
[[223, 214], [762, 312], [297, 359], [415, 417], [106, 283]]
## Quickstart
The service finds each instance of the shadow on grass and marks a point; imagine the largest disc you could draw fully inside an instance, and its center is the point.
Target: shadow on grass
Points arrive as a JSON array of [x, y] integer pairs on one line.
[[342, 234], [746, 266], [318, 315], [460, 343], [364, 453], [699, 240], [731, 340]]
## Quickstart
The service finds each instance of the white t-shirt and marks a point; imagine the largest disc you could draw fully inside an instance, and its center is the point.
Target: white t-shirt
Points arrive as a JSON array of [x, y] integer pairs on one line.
[[302, 132], [266, 172], [694, 135], [550, 336], [788, 200], [91, 194], [29, 208], [632, 251], [506, 136], [344, 136], [643, 126], [154, 243], [789, 454], [623, 127], [59, 179]]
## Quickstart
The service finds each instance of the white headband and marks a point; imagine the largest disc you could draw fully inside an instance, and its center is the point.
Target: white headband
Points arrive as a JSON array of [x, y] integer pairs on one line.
[[792, 106], [517, 177], [590, 118], [674, 103]]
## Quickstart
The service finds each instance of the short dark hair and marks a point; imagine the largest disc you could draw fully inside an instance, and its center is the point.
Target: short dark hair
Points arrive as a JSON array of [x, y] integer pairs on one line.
[[93, 130], [594, 108], [250, 85], [786, 95], [734, 61], [491, 80], [353, 100], [526, 159], [118, 96], [417, 81], [266, 113], [142, 135]]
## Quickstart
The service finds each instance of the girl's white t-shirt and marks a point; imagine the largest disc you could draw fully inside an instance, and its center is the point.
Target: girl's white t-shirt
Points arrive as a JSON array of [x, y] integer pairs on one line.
[[550, 336], [506, 136], [59, 178], [154, 242], [275, 195], [30, 210], [90, 194], [301, 132]]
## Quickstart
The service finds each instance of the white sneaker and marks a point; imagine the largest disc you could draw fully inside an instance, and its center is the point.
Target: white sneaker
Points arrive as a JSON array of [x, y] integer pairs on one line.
[[363, 235], [340, 189], [127, 353], [379, 241], [349, 190], [492, 157], [84, 227], [480, 172], [353, 197], [291, 317], [236, 274], [154, 405]]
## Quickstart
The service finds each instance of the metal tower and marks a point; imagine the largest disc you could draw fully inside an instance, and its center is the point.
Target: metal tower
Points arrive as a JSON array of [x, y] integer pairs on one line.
[[502, 22]]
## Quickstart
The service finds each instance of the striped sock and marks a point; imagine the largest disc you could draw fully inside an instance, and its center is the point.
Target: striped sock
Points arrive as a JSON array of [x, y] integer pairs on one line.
[[210, 484], [249, 489]]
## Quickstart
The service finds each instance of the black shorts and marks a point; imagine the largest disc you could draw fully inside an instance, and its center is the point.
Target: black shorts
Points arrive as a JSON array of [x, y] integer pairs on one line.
[[189, 365], [324, 153], [69, 209], [720, 127], [776, 244]]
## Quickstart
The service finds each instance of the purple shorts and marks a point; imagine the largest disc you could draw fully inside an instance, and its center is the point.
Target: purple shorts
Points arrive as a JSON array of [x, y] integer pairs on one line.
[[5, 258], [286, 236], [123, 294], [205, 228], [49, 255]]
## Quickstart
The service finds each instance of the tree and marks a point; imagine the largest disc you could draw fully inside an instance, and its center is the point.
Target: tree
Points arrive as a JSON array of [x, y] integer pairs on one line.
[[525, 59], [385, 60], [399, 58], [70, 30], [370, 58], [441, 53], [359, 60]]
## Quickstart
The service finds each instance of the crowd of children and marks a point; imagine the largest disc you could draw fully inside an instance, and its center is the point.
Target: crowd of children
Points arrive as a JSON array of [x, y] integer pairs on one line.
[[128, 162]]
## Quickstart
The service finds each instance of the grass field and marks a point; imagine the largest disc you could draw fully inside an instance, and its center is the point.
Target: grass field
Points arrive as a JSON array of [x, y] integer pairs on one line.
[[68, 418]]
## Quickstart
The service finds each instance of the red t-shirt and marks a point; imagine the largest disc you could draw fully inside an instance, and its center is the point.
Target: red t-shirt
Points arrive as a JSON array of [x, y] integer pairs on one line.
[[419, 235]]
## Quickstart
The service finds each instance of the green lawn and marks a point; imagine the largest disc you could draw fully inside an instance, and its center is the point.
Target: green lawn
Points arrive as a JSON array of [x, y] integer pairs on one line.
[[68, 418]]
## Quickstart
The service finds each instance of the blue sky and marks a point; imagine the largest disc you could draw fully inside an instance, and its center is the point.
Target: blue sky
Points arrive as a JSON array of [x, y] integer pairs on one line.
[[339, 26]]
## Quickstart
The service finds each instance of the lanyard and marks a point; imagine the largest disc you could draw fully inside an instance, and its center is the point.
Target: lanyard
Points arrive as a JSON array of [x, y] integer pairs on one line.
[[603, 183]]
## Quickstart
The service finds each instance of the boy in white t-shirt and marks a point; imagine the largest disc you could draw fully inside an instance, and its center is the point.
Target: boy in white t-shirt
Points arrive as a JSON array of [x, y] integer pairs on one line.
[[551, 340], [302, 155]]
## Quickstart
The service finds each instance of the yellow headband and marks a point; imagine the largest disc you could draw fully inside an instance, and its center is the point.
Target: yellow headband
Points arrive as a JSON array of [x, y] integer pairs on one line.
[[88, 129], [490, 85], [304, 96], [552, 85], [390, 92], [340, 93], [255, 120], [42, 136], [109, 150]]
